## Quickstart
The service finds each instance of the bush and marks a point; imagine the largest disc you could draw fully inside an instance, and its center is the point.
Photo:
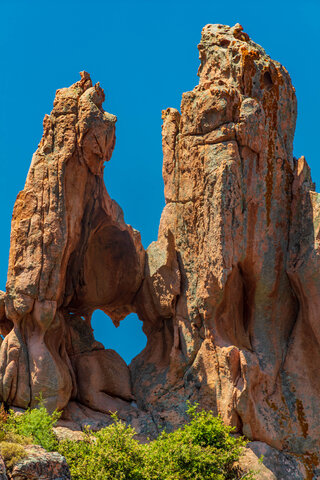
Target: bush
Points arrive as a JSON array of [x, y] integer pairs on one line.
[[11, 443], [111, 453], [17, 430], [36, 425], [11, 453], [201, 450]]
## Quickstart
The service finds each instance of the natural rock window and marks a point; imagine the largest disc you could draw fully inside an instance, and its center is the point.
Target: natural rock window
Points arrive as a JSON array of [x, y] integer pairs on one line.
[[128, 339]]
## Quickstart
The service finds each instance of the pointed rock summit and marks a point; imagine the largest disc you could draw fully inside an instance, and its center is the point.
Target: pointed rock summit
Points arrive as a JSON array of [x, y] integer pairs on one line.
[[229, 294]]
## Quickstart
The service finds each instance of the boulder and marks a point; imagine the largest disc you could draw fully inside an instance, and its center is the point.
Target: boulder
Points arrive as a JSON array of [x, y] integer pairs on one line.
[[41, 465], [3, 475]]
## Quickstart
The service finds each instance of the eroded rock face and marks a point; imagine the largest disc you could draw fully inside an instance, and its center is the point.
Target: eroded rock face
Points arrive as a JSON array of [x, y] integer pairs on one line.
[[228, 294], [3, 475], [71, 252], [242, 338]]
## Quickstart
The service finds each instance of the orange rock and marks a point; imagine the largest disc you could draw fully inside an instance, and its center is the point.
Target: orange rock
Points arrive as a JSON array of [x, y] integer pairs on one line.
[[229, 294], [71, 253], [40, 463], [243, 337]]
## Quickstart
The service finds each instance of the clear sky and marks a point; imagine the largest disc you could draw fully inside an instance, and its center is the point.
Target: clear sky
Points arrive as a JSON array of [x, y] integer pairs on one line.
[[144, 53]]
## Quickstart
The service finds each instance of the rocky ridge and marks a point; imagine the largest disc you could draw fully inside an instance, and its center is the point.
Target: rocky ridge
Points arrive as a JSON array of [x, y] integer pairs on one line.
[[228, 294]]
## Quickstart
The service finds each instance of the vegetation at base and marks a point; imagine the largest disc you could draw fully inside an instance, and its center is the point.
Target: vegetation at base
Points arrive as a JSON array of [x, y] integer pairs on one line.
[[11, 443], [36, 425], [31, 427], [11, 453], [203, 449]]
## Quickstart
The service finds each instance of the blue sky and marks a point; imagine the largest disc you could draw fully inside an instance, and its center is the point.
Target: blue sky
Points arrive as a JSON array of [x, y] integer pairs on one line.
[[144, 53]]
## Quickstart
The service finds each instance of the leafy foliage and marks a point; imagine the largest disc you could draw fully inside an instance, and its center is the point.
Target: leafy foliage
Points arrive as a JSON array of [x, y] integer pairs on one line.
[[11, 443], [11, 453], [201, 450], [17, 430], [36, 424], [111, 453]]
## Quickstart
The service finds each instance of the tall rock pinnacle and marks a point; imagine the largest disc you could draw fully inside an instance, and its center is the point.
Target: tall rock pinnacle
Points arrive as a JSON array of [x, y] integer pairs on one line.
[[229, 294], [71, 253], [242, 215]]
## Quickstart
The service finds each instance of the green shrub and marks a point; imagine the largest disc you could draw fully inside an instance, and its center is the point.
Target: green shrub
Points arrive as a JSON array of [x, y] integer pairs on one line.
[[11, 443], [16, 438], [34, 426], [16, 430], [111, 453], [201, 450], [11, 453]]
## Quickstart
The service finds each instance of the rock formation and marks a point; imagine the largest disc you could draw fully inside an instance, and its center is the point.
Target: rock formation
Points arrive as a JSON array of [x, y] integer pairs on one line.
[[229, 294], [37, 465], [71, 253]]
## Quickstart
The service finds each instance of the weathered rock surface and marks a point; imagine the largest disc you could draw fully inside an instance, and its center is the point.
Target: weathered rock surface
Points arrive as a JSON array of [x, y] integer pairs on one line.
[[41, 465], [229, 294], [241, 337], [63, 433], [3, 475], [71, 253], [267, 463]]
